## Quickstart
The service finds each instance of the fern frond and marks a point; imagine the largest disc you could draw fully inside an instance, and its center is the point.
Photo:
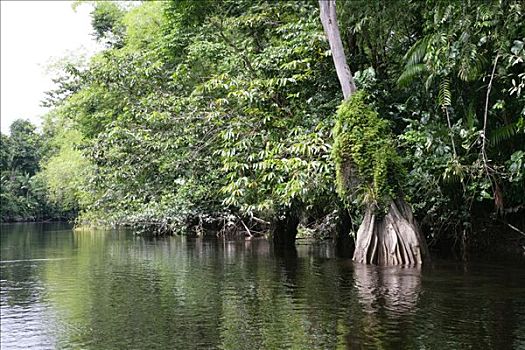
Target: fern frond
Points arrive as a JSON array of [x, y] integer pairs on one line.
[[445, 95]]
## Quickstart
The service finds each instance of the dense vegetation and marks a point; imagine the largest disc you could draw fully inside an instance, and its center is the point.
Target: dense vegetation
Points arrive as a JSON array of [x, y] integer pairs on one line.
[[219, 116], [24, 192]]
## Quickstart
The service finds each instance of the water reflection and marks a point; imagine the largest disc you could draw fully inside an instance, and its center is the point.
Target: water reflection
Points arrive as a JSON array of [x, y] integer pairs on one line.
[[388, 297], [392, 290], [113, 290]]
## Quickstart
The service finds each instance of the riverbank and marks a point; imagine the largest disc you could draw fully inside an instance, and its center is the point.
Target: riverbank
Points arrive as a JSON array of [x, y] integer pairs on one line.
[[490, 242], [495, 242]]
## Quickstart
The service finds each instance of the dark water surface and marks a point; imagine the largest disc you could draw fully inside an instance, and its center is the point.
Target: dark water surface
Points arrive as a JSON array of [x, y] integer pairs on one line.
[[108, 290]]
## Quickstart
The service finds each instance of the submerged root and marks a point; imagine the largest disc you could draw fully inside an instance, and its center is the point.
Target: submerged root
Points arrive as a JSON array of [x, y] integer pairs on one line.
[[393, 239]]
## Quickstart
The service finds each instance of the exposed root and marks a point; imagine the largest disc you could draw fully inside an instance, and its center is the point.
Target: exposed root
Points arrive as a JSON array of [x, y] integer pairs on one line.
[[393, 239]]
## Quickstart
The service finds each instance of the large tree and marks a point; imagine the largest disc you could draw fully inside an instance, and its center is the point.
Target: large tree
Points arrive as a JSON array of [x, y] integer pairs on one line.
[[367, 164]]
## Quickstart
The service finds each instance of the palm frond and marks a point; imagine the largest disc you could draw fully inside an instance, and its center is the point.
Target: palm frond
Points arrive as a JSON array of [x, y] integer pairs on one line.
[[503, 134], [410, 73], [416, 53]]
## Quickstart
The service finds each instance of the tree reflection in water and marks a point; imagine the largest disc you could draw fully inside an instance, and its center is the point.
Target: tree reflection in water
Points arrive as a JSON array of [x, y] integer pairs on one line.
[[388, 297]]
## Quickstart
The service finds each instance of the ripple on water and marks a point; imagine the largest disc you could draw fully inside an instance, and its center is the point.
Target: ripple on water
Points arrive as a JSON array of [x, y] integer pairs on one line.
[[26, 327]]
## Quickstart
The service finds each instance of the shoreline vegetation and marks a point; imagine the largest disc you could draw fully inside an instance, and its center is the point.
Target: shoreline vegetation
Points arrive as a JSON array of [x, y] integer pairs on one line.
[[498, 243], [221, 118]]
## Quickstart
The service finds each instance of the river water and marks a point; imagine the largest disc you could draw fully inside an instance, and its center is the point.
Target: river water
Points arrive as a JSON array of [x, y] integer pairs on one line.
[[111, 290]]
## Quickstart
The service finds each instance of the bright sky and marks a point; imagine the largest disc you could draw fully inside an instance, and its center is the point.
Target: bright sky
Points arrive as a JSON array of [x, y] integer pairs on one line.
[[33, 33]]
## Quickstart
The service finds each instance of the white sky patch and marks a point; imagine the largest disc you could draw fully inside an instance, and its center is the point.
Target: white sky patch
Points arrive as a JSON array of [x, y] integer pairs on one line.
[[33, 34]]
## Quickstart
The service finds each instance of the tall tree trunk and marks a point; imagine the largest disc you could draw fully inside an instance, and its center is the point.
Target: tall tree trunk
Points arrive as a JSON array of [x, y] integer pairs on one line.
[[392, 239], [331, 29]]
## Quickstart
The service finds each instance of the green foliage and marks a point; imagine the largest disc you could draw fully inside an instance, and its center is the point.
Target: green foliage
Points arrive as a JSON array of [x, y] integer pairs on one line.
[[367, 165], [5, 152], [106, 20], [66, 173], [217, 108], [23, 195], [516, 166], [24, 144], [203, 112], [275, 146], [142, 24]]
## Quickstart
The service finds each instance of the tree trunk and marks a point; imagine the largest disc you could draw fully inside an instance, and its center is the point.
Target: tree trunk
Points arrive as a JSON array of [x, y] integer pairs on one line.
[[284, 230], [344, 243], [331, 29], [392, 239]]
